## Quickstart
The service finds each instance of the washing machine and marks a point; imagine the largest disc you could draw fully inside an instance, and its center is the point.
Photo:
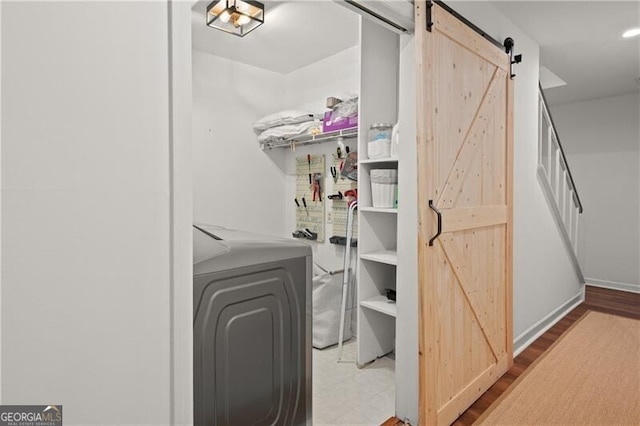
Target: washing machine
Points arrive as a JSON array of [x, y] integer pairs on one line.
[[251, 329]]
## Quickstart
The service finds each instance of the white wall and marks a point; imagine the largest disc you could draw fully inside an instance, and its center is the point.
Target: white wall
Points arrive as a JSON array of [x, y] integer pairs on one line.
[[1, 133], [601, 139], [181, 213], [86, 210], [310, 86], [236, 184], [407, 278]]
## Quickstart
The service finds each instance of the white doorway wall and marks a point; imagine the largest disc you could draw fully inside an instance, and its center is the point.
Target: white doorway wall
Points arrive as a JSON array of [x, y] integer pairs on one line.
[[96, 246]]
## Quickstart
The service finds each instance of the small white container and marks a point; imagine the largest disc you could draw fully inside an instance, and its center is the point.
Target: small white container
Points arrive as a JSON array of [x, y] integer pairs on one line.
[[395, 141], [379, 141], [380, 148], [384, 186]]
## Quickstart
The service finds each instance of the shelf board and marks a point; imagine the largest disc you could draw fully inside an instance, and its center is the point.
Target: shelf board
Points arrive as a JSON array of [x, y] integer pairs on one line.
[[390, 257], [380, 304], [379, 160], [378, 210], [309, 139]]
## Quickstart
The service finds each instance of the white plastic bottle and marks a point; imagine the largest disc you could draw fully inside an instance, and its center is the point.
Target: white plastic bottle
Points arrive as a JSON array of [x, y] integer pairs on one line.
[[395, 140]]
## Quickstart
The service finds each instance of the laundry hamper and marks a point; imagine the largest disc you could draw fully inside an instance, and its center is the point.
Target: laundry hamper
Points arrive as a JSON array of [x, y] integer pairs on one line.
[[327, 296]]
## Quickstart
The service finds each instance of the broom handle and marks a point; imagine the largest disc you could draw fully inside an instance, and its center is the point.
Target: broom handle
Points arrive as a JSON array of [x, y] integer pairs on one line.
[[345, 277]]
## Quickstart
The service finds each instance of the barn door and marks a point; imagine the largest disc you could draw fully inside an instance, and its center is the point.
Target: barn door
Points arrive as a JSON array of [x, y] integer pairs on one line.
[[465, 186]]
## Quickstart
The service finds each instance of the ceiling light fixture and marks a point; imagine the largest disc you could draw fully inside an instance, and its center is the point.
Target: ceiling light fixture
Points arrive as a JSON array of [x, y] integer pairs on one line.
[[238, 17], [631, 33]]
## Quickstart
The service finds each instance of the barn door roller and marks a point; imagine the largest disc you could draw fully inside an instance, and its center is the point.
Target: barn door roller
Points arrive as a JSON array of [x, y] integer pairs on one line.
[[428, 14], [514, 59]]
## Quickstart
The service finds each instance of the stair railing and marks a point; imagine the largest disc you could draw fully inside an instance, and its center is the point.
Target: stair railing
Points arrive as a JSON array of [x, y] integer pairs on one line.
[[557, 179]]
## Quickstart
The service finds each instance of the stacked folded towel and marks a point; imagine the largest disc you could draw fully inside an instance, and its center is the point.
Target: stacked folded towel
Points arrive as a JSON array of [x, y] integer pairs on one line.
[[285, 125]]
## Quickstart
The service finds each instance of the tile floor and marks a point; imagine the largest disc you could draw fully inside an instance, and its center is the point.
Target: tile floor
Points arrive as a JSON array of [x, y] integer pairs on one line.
[[344, 394]]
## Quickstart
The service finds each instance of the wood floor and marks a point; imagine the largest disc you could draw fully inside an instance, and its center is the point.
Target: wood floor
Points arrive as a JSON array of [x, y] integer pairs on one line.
[[597, 299]]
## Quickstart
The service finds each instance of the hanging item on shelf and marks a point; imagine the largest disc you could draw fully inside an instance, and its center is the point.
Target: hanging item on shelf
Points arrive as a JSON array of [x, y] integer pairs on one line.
[[316, 186], [310, 220], [343, 190], [349, 168]]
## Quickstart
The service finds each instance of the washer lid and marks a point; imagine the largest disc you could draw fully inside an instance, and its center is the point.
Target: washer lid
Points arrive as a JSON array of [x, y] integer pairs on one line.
[[218, 249], [207, 245]]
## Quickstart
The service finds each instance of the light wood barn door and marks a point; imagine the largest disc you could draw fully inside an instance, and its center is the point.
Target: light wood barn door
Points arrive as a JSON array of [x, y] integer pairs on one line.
[[465, 169]]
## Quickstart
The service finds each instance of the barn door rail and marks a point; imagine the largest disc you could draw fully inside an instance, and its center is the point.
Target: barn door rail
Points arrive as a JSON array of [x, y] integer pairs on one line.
[[557, 181], [468, 23]]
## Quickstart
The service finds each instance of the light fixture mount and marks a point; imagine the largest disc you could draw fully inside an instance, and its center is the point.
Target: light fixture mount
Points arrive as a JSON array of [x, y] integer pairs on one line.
[[238, 17]]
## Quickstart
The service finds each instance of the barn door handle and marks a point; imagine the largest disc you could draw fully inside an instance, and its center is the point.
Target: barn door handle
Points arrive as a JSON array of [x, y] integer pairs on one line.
[[439, 222]]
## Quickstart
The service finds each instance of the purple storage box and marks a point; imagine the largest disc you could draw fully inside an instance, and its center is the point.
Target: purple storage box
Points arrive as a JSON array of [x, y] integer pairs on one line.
[[329, 125]]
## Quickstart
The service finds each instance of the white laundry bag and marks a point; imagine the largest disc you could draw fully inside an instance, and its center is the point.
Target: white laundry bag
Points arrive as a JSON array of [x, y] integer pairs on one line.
[[327, 295]]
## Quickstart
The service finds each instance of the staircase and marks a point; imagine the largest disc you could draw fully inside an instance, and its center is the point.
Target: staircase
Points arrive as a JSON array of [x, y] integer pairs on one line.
[[557, 182]]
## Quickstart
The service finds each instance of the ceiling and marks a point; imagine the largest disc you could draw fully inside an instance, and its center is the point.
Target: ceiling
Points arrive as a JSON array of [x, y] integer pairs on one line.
[[580, 41], [295, 34]]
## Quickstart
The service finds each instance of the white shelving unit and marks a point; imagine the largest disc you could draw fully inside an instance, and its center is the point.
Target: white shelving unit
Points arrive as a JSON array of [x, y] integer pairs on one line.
[[388, 257], [379, 210], [377, 227], [379, 161], [380, 304]]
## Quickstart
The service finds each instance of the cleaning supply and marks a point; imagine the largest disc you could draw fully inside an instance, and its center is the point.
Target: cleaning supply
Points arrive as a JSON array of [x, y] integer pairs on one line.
[[379, 140], [349, 169], [395, 140]]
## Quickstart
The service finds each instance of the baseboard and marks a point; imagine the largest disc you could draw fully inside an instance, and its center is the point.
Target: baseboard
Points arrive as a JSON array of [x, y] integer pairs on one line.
[[631, 288], [538, 329]]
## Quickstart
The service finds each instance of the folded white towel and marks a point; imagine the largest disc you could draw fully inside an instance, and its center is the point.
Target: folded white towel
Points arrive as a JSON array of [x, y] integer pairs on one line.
[[281, 118], [290, 131]]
